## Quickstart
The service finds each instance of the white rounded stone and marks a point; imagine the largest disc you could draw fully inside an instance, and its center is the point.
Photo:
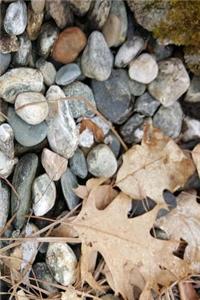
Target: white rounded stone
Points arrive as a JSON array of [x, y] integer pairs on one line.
[[143, 69], [31, 107]]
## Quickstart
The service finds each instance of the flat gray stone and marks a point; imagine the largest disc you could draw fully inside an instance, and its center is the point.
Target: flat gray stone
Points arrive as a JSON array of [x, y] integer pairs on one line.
[[44, 194], [193, 93], [4, 203], [15, 20], [101, 161], [97, 59], [136, 88], [48, 71], [113, 98], [69, 183], [128, 51], [62, 263], [146, 105], [78, 164], [20, 80], [67, 74], [169, 119], [31, 107], [171, 83], [22, 56], [25, 134], [79, 108], [5, 60], [23, 177]]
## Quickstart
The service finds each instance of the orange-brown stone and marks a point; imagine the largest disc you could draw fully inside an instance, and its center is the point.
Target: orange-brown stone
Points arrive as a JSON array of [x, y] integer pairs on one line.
[[69, 44]]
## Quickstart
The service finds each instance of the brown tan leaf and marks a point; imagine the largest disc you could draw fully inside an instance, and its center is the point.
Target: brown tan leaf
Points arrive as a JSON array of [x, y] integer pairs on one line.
[[187, 291], [96, 130], [196, 157], [128, 247], [157, 164]]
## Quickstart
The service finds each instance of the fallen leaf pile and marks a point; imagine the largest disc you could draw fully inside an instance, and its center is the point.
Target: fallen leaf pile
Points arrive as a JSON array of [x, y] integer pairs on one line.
[[133, 256]]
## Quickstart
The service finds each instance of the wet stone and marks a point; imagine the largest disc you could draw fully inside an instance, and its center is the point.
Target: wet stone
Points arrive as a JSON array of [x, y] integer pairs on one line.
[[4, 203], [5, 60], [146, 105], [25, 134], [78, 164], [23, 177], [44, 194], [69, 183]]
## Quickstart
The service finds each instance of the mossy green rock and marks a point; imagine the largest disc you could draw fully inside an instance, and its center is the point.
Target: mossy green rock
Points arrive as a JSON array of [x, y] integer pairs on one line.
[[172, 21]]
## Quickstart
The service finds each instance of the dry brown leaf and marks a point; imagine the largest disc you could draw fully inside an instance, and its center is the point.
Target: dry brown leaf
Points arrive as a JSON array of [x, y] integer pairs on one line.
[[128, 247], [186, 217], [70, 294], [157, 164], [96, 130], [196, 157], [20, 295]]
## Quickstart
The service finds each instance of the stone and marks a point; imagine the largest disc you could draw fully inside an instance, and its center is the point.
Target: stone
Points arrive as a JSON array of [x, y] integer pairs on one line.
[[127, 130], [78, 164], [193, 93], [169, 120], [46, 39], [136, 88], [98, 13], [43, 194], [21, 57], [97, 59], [8, 44], [171, 83], [54, 164], [79, 107], [128, 51], [34, 23], [48, 71], [101, 161], [60, 11], [62, 133], [5, 60], [112, 97], [24, 255], [54, 95], [15, 20], [31, 107], [62, 263], [19, 80], [101, 124], [159, 50], [115, 28], [69, 44], [25, 134], [3, 110], [7, 140], [6, 165], [38, 6], [43, 273], [191, 129], [113, 143], [86, 138], [69, 183], [143, 69], [23, 177], [67, 74], [79, 7], [4, 203], [146, 105]]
